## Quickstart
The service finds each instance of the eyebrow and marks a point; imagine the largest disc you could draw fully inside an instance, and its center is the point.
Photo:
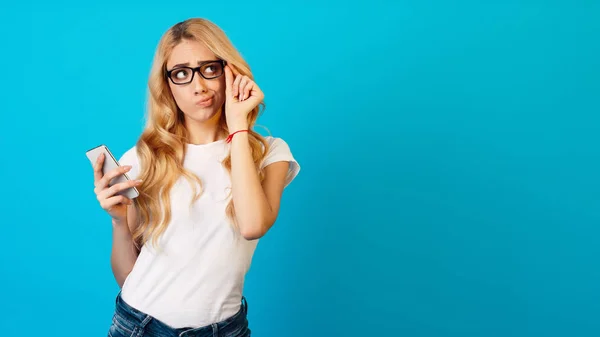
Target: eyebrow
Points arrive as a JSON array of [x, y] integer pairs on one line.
[[187, 64]]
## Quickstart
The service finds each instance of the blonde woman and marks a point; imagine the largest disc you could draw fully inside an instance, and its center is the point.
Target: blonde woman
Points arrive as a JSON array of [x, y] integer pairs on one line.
[[210, 187]]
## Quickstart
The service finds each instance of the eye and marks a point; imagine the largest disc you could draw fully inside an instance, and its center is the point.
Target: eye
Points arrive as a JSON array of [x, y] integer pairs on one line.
[[180, 74], [209, 70], [212, 70]]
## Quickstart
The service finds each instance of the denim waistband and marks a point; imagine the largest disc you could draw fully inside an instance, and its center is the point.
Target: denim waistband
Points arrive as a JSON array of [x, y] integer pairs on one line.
[[138, 320]]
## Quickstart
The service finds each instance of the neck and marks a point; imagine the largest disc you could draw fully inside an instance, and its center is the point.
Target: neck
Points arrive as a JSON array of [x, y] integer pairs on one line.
[[204, 132]]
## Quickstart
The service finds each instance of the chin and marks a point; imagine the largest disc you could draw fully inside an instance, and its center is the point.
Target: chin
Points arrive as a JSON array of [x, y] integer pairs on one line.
[[201, 115]]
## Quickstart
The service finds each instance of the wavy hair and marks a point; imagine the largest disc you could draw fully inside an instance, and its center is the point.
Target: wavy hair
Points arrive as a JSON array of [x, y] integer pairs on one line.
[[162, 145]]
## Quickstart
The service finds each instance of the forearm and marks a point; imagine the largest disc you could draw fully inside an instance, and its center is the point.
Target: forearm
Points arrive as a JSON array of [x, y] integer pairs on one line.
[[124, 253], [251, 205]]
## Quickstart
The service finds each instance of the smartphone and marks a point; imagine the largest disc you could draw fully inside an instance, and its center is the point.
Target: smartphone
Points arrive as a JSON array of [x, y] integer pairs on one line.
[[110, 163]]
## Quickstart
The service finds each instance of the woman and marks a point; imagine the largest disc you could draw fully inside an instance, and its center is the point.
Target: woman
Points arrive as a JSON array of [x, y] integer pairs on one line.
[[209, 186]]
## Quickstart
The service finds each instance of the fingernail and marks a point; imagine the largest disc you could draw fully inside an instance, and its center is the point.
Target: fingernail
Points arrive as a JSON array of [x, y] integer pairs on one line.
[[127, 168], [139, 181]]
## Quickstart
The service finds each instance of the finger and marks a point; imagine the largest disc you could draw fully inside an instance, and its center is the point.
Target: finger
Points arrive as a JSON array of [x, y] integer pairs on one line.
[[248, 89], [110, 175], [228, 79], [102, 183], [109, 203], [236, 85], [116, 188], [257, 93], [243, 84], [98, 168]]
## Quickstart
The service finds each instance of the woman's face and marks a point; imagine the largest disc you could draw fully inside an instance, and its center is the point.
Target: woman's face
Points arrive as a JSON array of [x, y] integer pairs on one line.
[[201, 99]]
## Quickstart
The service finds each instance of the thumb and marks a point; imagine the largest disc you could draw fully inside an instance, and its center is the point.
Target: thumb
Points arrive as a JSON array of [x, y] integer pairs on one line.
[[228, 81]]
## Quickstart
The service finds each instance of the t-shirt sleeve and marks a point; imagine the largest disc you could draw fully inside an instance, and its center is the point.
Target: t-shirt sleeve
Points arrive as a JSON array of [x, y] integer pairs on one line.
[[280, 151], [130, 158]]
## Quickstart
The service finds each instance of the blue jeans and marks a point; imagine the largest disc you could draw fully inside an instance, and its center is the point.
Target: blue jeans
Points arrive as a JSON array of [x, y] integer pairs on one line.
[[130, 322]]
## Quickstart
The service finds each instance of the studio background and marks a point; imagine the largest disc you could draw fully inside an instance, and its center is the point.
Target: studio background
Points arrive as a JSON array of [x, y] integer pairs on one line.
[[449, 152]]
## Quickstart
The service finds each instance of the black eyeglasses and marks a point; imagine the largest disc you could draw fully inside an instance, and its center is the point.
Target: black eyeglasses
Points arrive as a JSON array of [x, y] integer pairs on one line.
[[206, 69]]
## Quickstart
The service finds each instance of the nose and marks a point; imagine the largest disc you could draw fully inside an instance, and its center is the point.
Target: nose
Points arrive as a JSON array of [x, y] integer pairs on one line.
[[199, 83]]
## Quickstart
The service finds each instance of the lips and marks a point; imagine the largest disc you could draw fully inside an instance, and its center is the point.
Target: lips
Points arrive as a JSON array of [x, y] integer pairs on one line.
[[205, 101]]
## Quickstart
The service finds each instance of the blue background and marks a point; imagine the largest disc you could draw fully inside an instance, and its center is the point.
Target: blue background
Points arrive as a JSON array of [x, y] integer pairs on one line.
[[449, 150]]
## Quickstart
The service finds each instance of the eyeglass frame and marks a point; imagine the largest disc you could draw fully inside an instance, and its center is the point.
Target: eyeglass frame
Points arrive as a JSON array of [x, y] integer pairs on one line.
[[195, 70]]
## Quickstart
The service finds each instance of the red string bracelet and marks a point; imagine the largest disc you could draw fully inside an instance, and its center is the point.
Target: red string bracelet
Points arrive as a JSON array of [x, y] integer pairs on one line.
[[231, 135]]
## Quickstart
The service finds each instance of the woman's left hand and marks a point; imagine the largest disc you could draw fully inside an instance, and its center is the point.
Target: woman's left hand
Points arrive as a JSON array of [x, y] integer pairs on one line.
[[241, 96]]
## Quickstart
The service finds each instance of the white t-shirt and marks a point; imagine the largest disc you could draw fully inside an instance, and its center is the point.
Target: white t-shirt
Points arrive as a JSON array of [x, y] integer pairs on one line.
[[197, 276]]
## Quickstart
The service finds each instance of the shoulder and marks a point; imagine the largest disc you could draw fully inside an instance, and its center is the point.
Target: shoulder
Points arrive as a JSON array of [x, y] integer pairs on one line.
[[130, 158], [277, 147], [279, 150], [276, 141]]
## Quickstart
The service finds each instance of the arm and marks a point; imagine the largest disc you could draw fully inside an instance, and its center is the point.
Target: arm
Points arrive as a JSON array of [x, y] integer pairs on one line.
[[256, 205], [124, 253]]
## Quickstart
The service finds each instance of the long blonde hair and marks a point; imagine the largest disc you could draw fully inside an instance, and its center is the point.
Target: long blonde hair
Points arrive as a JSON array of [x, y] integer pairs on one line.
[[162, 145]]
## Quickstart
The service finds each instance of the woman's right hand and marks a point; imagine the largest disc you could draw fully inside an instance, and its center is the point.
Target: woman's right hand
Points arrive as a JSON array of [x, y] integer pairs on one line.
[[115, 205]]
